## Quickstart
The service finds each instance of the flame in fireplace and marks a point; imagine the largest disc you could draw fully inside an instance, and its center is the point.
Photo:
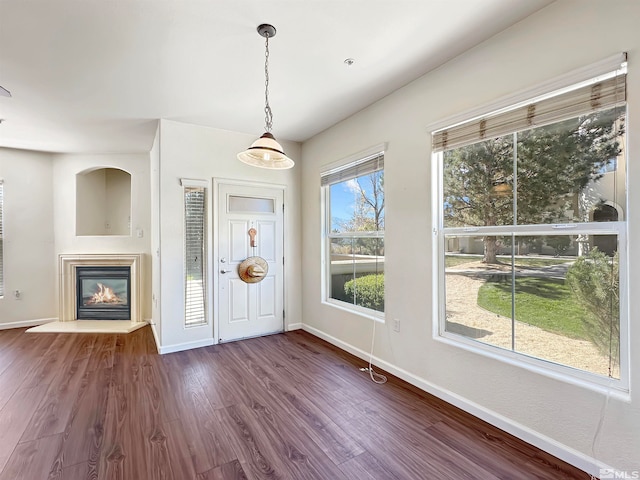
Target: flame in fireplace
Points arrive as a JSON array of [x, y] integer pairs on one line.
[[104, 295]]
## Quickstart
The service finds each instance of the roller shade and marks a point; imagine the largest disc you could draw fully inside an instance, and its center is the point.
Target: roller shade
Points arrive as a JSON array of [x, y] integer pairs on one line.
[[583, 100], [367, 165]]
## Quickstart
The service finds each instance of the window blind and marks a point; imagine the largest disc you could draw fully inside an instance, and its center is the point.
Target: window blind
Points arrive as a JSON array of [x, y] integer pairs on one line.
[[1, 239], [194, 242], [367, 165], [580, 101]]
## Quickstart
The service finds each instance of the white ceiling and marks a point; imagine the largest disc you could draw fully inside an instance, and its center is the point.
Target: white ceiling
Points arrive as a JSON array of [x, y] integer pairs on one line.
[[94, 75]]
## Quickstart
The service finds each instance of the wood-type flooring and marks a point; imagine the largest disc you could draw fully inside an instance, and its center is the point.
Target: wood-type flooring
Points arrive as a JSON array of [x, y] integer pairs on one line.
[[288, 406]]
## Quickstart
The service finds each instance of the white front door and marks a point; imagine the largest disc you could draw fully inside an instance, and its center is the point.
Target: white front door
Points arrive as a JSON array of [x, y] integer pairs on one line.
[[249, 309]]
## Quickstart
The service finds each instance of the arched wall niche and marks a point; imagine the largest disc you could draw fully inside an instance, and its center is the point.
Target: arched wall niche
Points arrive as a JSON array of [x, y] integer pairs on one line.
[[103, 202]]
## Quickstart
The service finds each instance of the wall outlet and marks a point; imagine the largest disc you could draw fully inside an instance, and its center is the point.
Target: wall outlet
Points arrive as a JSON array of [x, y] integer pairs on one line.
[[17, 294], [396, 325]]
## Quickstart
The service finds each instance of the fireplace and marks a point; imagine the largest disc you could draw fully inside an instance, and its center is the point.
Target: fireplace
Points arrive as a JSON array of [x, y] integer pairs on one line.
[[99, 293], [103, 293], [116, 267]]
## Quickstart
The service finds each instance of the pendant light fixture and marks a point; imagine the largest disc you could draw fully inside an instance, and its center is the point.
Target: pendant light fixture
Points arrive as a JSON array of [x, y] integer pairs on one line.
[[266, 152]]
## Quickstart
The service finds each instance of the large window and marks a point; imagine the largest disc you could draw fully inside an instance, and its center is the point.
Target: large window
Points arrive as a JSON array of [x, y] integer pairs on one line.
[[532, 230], [195, 229], [354, 234]]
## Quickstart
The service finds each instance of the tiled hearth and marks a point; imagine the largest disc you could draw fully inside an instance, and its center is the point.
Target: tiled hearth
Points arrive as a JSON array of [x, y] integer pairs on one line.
[[67, 319]]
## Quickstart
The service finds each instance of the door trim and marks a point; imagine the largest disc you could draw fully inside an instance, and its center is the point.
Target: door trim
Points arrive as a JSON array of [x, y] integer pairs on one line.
[[215, 194]]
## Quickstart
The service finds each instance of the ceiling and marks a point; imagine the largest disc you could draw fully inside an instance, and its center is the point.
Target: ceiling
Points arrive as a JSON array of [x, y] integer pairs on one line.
[[95, 75]]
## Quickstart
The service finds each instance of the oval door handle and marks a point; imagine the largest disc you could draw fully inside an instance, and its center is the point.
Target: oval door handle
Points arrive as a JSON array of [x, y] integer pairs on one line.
[[225, 271]]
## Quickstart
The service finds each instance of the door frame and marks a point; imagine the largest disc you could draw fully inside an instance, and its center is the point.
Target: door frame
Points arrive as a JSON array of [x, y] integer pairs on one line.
[[215, 263]]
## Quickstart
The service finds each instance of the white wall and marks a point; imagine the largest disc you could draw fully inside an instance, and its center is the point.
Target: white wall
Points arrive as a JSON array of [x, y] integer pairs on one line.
[[195, 152], [29, 260], [154, 159], [561, 417], [65, 168]]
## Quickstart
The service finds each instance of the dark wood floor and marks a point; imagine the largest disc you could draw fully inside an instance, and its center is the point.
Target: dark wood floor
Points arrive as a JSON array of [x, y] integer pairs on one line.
[[287, 406]]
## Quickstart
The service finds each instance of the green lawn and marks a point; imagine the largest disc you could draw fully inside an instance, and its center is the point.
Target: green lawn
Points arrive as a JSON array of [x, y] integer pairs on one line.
[[455, 260], [535, 261], [543, 302]]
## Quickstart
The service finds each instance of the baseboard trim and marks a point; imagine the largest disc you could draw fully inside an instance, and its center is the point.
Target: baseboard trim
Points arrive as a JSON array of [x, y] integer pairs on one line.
[[179, 347], [294, 326], [547, 444], [156, 337], [26, 323]]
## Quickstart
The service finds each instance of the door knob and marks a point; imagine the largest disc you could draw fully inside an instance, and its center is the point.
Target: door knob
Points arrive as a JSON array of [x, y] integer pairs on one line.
[[225, 271], [223, 260]]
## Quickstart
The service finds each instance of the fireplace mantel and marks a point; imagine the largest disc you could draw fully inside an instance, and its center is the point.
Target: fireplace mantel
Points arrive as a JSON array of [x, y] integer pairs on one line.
[[67, 264]]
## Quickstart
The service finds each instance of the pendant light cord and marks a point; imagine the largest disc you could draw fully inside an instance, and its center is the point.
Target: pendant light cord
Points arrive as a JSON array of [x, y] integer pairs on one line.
[[268, 116]]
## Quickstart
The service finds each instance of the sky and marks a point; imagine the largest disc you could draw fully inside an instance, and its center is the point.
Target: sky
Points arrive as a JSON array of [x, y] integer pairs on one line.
[[343, 199], [342, 203]]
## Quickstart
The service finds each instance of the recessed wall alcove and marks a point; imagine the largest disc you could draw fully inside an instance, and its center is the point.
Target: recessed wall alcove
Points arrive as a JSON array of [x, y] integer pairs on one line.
[[103, 202]]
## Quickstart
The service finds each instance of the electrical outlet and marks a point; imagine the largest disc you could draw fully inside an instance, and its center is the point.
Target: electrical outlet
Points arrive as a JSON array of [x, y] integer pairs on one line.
[[396, 325], [17, 294]]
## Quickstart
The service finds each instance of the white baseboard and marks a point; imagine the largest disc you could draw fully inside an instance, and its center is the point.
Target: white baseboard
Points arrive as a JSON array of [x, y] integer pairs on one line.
[[547, 444], [179, 347], [294, 326], [26, 323], [156, 337]]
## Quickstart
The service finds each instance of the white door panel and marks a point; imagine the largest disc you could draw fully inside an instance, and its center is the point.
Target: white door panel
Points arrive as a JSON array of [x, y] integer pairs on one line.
[[267, 297], [267, 247], [239, 240], [249, 309], [238, 301]]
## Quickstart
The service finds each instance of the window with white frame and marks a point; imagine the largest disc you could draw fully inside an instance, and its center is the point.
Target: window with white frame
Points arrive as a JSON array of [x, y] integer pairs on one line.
[[532, 225], [195, 231], [1, 239], [354, 234]]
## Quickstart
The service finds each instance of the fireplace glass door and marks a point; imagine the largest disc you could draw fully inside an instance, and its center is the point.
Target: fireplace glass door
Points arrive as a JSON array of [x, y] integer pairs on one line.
[[103, 293]]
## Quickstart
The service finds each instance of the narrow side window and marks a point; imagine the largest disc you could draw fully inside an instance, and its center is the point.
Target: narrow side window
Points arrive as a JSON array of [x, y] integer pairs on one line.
[[195, 229]]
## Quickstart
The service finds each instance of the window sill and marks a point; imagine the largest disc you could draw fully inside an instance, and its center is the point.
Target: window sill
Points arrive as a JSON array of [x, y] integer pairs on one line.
[[617, 389], [360, 311]]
